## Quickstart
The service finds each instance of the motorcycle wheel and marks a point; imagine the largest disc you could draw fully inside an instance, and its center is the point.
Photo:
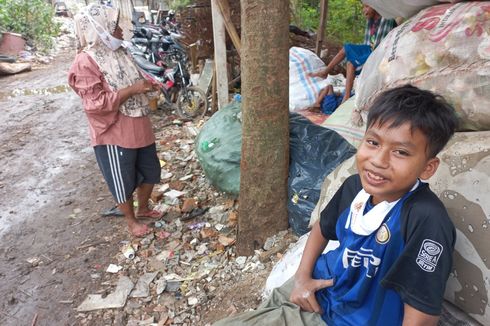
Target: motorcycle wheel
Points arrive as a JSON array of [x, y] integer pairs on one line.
[[193, 103]]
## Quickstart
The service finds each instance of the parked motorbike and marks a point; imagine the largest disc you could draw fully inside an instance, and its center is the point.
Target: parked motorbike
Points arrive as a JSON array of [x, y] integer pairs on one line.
[[174, 83], [156, 45]]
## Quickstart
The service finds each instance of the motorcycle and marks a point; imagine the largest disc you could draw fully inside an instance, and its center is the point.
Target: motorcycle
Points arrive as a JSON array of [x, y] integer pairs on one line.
[[174, 83], [155, 45]]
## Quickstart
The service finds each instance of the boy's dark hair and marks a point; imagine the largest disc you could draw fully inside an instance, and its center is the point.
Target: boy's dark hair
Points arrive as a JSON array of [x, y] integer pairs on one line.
[[424, 110]]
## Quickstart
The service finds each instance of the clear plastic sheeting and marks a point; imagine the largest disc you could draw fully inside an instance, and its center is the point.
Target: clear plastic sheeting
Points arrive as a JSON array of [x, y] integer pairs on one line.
[[445, 49], [314, 153]]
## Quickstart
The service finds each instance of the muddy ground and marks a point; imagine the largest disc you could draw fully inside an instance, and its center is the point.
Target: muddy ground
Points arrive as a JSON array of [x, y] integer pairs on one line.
[[52, 238]]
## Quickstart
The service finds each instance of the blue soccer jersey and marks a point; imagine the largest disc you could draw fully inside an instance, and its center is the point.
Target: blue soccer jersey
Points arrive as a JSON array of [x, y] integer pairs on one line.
[[373, 273]]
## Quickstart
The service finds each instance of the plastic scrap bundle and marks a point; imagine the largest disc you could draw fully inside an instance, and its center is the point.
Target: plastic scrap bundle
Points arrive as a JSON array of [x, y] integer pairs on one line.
[[445, 49], [461, 182], [218, 148]]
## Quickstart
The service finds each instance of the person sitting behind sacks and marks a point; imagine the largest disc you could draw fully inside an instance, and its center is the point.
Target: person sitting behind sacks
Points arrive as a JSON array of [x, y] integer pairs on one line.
[[396, 238], [356, 55], [327, 101]]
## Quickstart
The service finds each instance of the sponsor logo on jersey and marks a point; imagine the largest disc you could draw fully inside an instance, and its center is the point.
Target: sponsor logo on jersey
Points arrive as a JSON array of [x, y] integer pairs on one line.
[[383, 235], [429, 254], [361, 258]]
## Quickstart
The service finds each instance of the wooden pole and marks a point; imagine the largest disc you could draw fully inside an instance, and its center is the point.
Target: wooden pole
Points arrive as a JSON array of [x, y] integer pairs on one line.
[[224, 7], [265, 122], [321, 29], [219, 39]]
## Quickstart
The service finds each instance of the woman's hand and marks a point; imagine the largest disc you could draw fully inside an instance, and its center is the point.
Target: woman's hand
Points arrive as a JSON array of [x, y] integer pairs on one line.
[[303, 293], [142, 86]]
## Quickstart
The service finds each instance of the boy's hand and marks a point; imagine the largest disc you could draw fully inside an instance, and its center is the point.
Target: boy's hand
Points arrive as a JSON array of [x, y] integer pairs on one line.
[[303, 293]]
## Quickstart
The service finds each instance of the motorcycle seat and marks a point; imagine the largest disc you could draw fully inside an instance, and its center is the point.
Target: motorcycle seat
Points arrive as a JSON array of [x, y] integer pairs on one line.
[[147, 65]]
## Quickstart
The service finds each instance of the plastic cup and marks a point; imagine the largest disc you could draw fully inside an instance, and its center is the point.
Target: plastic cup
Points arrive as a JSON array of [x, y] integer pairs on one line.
[[153, 100]]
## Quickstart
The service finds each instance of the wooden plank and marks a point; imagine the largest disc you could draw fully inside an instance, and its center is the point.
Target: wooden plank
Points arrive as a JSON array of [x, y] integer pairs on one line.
[[321, 28], [224, 7], [193, 54], [219, 39], [214, 97]]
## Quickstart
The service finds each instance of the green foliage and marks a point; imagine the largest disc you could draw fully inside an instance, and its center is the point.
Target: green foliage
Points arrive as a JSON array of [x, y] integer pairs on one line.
[[179, 4], [31, 18], [345, 22]]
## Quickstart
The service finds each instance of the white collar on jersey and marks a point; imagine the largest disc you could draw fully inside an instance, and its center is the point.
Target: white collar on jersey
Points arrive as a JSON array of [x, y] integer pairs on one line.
[[365, 224]]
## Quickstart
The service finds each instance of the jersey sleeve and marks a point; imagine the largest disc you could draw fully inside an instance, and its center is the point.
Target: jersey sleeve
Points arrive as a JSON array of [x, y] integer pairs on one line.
[[420, 274], [339, 202]]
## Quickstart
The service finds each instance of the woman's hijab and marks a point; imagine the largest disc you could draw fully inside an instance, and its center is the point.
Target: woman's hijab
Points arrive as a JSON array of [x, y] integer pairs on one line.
[[94, 27]]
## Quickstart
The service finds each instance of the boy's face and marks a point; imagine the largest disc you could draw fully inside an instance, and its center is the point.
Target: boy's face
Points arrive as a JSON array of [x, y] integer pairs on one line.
[[390, 160], [368, 12]]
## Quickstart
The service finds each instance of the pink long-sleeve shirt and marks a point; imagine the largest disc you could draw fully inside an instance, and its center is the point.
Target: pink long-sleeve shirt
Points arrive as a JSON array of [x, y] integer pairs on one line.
[[107, 125]]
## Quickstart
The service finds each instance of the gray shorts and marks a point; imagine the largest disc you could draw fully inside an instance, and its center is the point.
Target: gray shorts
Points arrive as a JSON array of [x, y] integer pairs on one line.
[[124, 169]]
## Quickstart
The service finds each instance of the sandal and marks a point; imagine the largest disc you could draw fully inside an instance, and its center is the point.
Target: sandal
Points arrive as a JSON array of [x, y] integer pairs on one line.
[[151, 214]]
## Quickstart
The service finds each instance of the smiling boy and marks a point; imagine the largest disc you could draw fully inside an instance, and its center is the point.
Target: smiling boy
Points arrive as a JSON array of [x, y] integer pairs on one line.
[[396, 238]]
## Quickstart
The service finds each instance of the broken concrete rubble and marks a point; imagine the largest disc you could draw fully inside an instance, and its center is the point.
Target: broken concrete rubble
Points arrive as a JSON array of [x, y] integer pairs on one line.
[[117, 299]]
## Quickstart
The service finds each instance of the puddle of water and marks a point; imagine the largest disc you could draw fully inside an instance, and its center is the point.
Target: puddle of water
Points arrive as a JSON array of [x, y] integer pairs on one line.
[[36, 91]]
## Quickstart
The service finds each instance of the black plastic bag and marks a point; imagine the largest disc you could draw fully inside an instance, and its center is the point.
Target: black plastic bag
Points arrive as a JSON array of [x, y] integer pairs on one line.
[[315, 151]]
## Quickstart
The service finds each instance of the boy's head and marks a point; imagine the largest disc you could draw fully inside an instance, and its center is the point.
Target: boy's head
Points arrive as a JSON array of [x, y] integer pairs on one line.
[[406, 128], [369, 12]]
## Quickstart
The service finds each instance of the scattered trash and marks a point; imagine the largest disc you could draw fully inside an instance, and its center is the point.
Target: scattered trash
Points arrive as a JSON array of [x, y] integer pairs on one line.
[[128, 251], [179, 266], [161, 285], [113, 269], [34, 261], [160, 224], [192, 301], [117, 299], [142, 289]]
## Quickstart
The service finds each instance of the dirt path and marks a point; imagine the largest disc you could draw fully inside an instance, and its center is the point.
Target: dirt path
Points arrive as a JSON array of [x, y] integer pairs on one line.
[[51, 193]]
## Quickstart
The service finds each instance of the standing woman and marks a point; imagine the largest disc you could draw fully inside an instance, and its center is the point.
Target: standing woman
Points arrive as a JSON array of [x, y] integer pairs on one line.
[[114, 100]]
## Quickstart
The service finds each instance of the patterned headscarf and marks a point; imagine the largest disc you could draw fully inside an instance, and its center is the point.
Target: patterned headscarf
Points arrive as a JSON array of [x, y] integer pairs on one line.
[[94, 27]]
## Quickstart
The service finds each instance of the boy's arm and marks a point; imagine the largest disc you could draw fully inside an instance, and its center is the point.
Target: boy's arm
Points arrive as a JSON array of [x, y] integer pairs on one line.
[[305, 286], [414, 317]]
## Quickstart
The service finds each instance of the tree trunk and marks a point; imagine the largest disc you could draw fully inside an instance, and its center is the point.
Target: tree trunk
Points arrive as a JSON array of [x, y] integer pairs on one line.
[[265, 116]]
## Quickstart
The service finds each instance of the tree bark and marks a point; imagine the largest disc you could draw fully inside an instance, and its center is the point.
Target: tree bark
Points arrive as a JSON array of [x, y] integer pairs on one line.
[[265, 122]]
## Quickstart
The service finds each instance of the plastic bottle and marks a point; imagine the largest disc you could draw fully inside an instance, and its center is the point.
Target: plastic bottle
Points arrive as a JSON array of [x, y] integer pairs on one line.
[[237, 98], [208, 146]]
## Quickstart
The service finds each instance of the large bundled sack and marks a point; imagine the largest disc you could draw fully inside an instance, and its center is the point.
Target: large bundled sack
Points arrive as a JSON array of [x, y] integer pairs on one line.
[[341, 122], [303, 90], [445, 49], [402, 8], [218, 147], [462, 184]]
